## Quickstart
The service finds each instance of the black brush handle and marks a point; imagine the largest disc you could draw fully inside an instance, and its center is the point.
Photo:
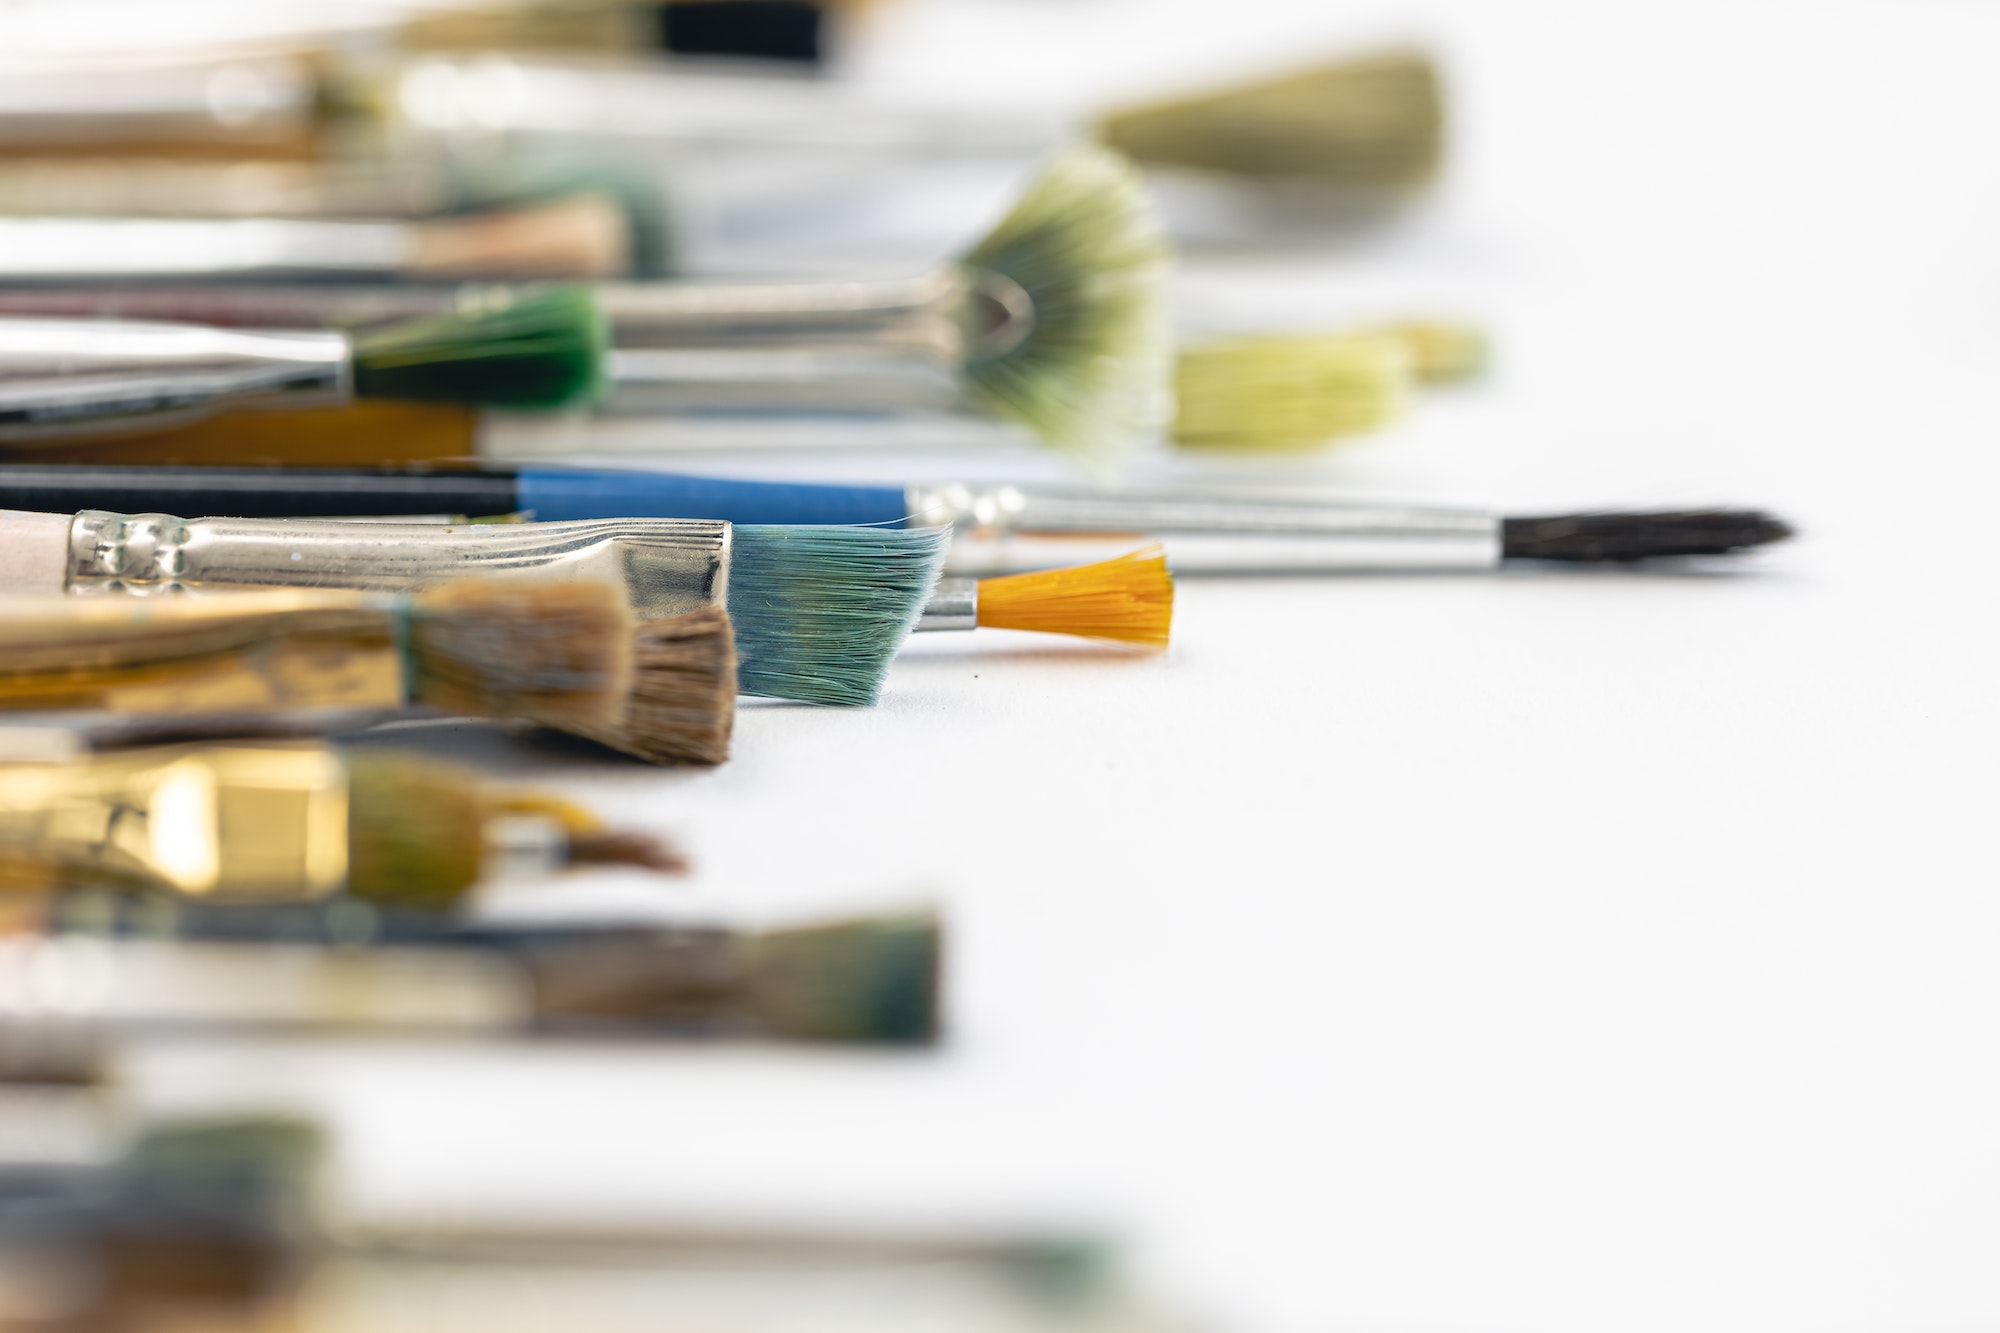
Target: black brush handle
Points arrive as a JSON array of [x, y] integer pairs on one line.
[[256, 492]]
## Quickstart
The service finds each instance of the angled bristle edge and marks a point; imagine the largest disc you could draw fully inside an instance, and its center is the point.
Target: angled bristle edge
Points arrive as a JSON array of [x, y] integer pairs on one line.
[[820, 611]]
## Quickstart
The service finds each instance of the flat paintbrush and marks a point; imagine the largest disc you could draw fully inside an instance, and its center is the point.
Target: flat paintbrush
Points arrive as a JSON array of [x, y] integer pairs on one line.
[[997, 529], [563, 655], [817, 611], [283, 823], [1055, 320], [313, 966]]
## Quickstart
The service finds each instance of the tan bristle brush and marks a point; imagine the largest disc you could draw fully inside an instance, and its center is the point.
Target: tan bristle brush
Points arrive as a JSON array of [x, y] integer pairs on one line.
[[566, 655], [1289, 392], [292, 822], [1129, 599], [1376, 122]]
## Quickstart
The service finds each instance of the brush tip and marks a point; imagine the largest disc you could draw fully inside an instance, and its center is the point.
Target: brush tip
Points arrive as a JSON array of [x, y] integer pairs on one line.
[[1613, 537], [682, 705], [1129, 599], [872, 980], [820, 611], [544, 348], [1085, 247], [1289, 392]]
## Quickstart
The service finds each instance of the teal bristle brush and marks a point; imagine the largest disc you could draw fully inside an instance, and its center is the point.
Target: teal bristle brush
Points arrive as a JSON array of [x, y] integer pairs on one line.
[[60, 378], [819, 612]]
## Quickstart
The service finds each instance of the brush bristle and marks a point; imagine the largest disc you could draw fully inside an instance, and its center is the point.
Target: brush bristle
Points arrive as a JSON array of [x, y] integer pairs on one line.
[[546, 349], [555, 653], [1289, 392], [1374, 124], [819, 612], [1441, 351], [874, 980], [1616, 537], [583, 236], [416, 829], [682, 704], [1129, 599], [1086, 247]]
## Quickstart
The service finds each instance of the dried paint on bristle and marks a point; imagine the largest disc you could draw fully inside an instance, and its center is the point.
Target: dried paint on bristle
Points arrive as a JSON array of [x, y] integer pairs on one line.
[[1289, 392], [820, 611], [545, 349], [1086, 246], [1626, 537], [682, 705], [873, 980], [1129, 599], [555, 653], [416, 829], [1375, 124]]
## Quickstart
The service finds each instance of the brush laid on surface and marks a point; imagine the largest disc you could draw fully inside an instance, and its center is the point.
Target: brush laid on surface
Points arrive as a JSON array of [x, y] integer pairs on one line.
[[997, 529], [562, 655], [1288, 392], [366, 188], [818, 612], [64, 378], [1374, 123], [284, 823], [1127, 599], [583, 236], [190, 105], [166, 965], [1055, 320]]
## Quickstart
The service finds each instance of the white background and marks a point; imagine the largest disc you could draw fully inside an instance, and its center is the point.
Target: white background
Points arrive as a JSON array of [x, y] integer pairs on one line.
[[1545, 951]]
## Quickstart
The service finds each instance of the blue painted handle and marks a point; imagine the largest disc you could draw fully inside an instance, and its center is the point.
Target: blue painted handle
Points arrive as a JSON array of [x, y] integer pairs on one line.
[[555, 494]]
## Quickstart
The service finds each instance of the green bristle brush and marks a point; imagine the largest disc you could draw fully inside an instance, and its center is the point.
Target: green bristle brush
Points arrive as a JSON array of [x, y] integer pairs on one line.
[[62, 378]]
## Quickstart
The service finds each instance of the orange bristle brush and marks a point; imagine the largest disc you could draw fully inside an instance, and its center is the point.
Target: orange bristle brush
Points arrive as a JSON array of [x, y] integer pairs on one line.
[[1129, 599]]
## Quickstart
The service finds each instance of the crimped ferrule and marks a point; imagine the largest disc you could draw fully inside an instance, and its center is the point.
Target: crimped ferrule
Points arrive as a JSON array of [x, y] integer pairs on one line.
[[666, 565]]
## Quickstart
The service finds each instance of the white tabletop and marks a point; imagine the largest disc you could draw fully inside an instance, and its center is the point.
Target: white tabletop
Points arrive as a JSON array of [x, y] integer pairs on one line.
[[1553, 951]]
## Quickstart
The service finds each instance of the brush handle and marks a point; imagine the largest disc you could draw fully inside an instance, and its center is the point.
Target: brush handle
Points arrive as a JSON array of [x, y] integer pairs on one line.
[[119, 249], [60, 377], [325, 305], [242, 102], [1009, 529], [666, 566]]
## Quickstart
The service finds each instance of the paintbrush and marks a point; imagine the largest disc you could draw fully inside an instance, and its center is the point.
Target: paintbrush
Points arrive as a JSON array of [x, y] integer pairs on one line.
[[348, 966], [581, 236], [367, 187], [284, 823], [223, 105], [1266, 392], [817, 611], [1055, 320], [63, 378], [563, 655], [1373, 124], [997, 529]]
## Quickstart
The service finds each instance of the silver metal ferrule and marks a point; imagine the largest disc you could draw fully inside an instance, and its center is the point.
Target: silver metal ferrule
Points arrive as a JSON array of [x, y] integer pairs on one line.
[[1002, 529], [666, 565], [52, 249], [61, 377], [954, 604], [845, 346]]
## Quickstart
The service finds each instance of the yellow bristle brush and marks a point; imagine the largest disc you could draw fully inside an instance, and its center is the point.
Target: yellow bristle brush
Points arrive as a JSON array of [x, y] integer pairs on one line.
[[566, 655], [1129, 599]]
